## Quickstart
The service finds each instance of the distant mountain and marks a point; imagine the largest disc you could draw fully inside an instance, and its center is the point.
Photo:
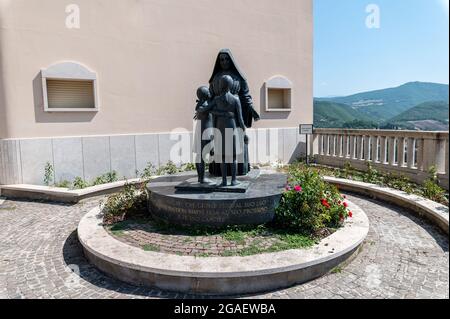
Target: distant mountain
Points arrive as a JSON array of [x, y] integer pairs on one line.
[[382, 105], [335, 115], [435, 110], [426, 116]]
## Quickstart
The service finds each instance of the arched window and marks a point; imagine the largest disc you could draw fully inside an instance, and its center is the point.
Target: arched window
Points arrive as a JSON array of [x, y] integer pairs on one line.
[[69, 87]]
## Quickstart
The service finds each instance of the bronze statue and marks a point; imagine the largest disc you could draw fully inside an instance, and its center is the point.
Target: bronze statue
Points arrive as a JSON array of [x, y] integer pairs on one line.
[[226, 65], [227, 107], [206, 123], [228, 115]]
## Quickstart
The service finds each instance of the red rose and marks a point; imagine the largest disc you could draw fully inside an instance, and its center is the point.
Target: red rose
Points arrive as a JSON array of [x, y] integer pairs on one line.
[[325, 203], [345, 205], [298, 188], [350, 214]]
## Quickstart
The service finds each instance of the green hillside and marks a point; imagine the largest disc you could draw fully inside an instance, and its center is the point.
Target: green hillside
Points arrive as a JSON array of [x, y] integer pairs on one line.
[[385, 104], [437, 110], [428, 115], [335, 115]]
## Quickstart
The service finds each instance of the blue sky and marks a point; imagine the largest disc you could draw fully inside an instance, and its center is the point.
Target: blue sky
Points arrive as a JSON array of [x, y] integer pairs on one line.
[[410, 45]]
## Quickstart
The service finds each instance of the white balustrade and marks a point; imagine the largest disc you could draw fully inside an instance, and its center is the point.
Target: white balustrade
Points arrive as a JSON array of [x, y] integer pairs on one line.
[[410, 153]]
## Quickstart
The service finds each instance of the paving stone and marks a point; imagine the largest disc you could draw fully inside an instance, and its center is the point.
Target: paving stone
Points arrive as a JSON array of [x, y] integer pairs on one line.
[[403, 257]]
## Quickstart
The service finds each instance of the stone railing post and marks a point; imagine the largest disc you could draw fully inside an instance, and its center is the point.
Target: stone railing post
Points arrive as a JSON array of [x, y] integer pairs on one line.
[[374, 146], [446, 157], [367, 147], [401, 151], [314, 145], [320, 143], [440, 156], [383, 150], [410, 152], [420, 149], [391, 155], [430, 149], [333, 145], [339, 145], [352, 147], [326, 145], [345, 146], [359, 147]]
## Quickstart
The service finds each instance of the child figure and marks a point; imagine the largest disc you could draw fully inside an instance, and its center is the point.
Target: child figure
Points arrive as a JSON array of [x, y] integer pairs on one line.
[[228, 115], [206, 123]]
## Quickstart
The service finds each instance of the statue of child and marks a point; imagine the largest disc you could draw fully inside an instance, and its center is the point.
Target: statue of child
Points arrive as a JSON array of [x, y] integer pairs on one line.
[[227, 111], [203, 115]]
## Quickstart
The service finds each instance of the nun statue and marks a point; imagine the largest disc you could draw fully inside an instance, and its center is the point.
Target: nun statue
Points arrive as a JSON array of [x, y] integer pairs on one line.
[[226, 66]]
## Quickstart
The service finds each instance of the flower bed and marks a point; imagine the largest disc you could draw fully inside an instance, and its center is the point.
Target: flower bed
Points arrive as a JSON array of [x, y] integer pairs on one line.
[[110, 177], [310, 210], [430, 189], [310, 205]]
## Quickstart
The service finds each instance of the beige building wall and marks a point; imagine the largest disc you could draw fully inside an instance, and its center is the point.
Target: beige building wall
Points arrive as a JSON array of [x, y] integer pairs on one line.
[[150, 56]]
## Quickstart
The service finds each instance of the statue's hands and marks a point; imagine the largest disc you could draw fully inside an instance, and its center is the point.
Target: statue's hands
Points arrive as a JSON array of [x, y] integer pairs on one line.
[[255, 115], [196, 116], [218, 112]]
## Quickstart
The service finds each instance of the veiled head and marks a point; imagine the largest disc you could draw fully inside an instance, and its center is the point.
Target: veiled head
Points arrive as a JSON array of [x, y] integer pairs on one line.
[[225, 61]]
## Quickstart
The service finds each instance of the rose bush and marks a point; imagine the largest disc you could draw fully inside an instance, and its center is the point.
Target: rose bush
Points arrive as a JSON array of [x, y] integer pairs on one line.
[[309, 204]]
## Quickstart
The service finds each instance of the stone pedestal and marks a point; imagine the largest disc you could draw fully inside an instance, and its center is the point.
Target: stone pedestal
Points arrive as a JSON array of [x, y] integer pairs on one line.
[[175, 199]]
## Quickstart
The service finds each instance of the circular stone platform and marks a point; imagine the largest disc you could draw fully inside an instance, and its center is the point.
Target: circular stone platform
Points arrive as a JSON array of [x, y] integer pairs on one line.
[[219, 275], [177, 199]]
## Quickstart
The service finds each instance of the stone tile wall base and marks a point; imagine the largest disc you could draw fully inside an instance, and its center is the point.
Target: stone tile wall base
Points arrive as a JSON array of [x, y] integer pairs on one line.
[[23, 161]]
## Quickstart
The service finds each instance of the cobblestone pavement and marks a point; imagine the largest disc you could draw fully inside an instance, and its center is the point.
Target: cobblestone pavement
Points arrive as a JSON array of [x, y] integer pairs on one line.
[[148, 236], [403, 257]]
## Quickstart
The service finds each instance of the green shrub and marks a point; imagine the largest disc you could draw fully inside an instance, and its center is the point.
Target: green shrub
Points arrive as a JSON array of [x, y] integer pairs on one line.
[[431, 188], [188, 167], [434, 192], [130, 201], [63, 184], [348, 169], [433, 174], [48, 174], [79, 183], [149, 172], [372, 175], [107, 178], [399, 182], [169, 169], [309, 204]]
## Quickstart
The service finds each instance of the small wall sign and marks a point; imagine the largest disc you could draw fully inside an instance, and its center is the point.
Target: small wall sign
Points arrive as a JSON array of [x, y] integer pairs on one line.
[[306, 129]]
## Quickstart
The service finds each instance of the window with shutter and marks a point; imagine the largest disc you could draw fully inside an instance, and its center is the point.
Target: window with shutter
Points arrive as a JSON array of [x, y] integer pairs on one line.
[[69, 87], [64, 94]]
